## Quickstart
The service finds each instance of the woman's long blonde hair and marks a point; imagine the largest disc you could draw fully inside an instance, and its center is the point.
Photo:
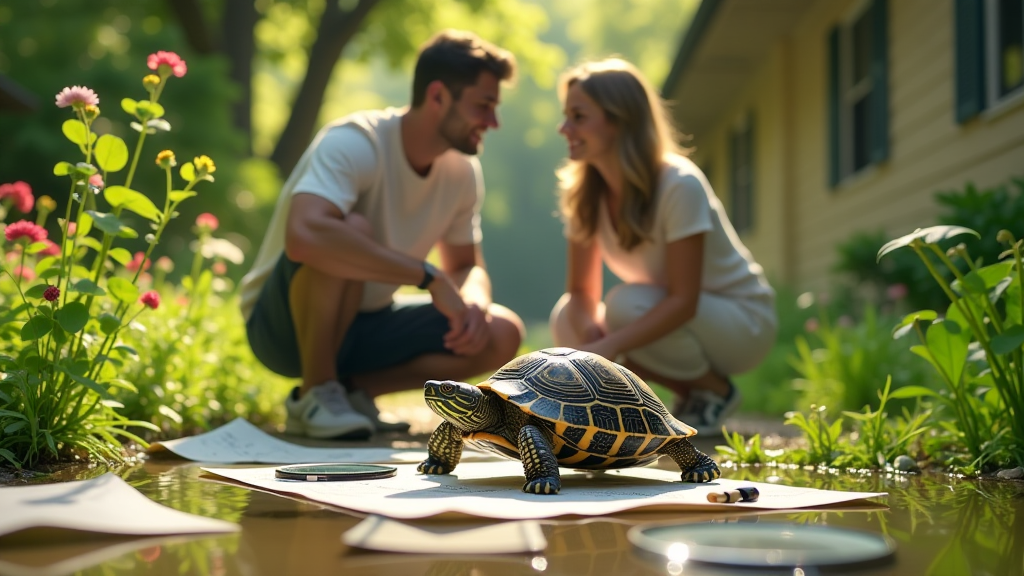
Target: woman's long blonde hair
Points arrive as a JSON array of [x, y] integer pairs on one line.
[[645, 136]]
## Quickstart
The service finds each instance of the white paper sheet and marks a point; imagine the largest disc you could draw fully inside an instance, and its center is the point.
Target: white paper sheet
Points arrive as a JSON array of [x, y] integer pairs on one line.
[[240, 442], [494, 490], [106, 504], [385, 535]]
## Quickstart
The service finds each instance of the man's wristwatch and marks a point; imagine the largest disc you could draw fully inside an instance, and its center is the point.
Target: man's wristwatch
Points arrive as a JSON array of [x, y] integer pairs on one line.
[[429, 271]]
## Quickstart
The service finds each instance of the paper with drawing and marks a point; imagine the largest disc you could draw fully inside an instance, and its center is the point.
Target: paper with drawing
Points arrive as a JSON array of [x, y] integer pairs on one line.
[[240, 442], [493, 490], [106, 504]]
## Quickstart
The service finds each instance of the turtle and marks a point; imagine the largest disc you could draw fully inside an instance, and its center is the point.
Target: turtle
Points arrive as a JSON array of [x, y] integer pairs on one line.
[[560, 407]]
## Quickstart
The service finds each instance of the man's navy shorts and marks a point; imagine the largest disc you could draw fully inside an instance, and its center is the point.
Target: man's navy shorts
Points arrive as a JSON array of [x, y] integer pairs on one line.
[[376, 340]]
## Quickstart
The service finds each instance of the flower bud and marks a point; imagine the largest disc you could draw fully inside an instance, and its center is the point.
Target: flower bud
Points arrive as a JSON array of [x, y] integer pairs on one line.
[[1005, 236], [46, 203], [150, 82], [166, 159], [91, 112]]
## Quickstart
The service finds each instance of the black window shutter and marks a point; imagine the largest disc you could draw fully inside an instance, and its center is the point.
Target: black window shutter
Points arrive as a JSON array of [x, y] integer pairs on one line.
[[878, 128], [833, 107], [970, 58], [751, 172]]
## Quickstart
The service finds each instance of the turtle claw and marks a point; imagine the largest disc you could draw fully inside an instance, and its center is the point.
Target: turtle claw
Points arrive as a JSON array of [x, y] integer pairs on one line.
[[431, 466], [703, 473], [542, 486]]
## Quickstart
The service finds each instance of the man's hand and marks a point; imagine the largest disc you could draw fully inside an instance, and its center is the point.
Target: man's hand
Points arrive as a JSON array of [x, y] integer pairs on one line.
[[473, 337], [448, 301]]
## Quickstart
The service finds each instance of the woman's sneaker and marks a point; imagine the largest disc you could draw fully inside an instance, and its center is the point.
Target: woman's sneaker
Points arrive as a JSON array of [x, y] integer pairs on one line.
[[706, 411], [325, 412], [367, 407]]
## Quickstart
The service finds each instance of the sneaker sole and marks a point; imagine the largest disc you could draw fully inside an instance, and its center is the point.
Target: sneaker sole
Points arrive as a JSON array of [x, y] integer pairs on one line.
[[295, 427]]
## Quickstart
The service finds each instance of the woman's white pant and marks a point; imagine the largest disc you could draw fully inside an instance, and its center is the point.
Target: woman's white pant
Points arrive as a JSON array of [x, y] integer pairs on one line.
[[727, 335]]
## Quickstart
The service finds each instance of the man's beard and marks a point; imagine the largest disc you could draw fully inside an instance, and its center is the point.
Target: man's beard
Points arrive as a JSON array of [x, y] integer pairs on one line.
[[457, 134]]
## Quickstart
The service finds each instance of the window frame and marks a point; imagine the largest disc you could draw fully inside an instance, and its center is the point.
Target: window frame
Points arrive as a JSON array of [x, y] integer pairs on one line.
[[850, 92], [992, 59]]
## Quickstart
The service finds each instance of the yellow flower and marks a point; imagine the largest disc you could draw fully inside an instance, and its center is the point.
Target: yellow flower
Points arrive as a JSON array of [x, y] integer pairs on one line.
[[47, 203], [165, 159], [204, 165], [150, 82], [91, 111]]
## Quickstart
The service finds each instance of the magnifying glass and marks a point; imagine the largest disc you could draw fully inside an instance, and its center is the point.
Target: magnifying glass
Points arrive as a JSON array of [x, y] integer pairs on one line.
[[334, 472]]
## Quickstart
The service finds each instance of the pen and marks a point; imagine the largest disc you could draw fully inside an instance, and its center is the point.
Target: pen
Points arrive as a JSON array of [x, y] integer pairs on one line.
[[744, 494]]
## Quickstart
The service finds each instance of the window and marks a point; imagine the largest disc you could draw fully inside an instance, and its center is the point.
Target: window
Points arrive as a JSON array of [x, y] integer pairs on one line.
[[741, 176], [989, 54], [858, 91]]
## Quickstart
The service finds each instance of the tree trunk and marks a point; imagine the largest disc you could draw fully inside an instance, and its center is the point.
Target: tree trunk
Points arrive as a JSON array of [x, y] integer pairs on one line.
[[239, 45], [193, 23], [337, 28]]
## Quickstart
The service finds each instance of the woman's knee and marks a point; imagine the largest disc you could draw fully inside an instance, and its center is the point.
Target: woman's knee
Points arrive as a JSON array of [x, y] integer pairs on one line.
[[507, 334], [627, 303], [558, 323]]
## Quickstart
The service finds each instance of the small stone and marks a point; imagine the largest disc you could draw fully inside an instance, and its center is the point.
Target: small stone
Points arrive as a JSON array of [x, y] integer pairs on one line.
[[905, 463], [1011, 473]]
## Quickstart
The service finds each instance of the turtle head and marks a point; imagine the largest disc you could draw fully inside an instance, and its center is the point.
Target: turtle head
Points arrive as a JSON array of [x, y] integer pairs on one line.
[[465, 406]]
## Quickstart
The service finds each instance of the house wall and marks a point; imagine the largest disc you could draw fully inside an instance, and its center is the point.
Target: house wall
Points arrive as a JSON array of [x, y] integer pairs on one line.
[[799, 218]]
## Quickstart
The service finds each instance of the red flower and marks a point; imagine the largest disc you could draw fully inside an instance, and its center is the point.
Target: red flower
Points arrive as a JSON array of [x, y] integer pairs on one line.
[[207, 222], [150, 299], [25, 229], [175, 65], [51, 293], [21, 195], [219, 268], [51, 249], [133, 266]]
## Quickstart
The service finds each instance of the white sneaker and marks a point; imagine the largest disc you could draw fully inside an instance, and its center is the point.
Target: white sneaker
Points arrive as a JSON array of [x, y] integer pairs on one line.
[[706, 411], [366, 406], [325, 412]]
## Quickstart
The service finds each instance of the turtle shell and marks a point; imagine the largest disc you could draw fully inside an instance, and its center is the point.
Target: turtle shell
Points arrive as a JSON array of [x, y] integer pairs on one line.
[[601, 415]]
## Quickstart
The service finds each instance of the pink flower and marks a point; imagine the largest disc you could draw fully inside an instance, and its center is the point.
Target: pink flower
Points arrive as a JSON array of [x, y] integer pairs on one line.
[[164, 264], [96, 181], [77, 96], [24, 273], [21, 195], [219, 268], [150, 299], [811, 325], [25, 229], [896, 292], [133, 266], [51, 293], [207, 222], [175, 65], [51, 249], [72, 228], [845, 321]]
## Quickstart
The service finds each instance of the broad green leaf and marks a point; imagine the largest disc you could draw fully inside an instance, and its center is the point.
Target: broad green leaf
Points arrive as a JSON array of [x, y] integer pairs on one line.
[[912, 392], [88, 287], [63, 168], [90, 242], [126, 232], [36, 291], [120, 255], [46, 263], [108, 223], [122, 384], [994, 273], [36, 327], [126, 349], [111, 153], [89, 383], [15, 426], [123, 289], [1011, 339], [72, 317], [76, 131], [49, 273], [36, 247], [932, 235], [179, 195], [974, 283], [129, 105], [947, 342], [84, 225], [187, 172], [131, 200], [109, 323]]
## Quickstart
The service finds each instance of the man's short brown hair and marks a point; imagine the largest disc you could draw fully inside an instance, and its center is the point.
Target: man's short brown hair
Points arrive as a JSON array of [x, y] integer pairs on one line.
[[457, 58]]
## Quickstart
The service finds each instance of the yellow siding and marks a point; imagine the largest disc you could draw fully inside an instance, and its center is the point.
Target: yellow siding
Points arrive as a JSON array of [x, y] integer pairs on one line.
[[799, 219]]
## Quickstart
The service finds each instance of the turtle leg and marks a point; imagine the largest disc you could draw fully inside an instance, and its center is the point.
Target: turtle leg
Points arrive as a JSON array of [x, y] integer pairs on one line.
[[539, 462], [696, 465], [444, 450]]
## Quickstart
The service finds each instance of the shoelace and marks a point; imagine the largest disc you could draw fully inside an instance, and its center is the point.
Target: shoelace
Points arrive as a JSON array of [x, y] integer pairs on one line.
[[333, 397]]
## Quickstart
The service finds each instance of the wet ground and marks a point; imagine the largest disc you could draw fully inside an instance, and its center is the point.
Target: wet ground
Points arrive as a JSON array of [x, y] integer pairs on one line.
[[941, 525]]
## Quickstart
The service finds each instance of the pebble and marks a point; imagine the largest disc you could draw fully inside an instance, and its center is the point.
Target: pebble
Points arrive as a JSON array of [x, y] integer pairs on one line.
[[905, 463], [1011, 473]]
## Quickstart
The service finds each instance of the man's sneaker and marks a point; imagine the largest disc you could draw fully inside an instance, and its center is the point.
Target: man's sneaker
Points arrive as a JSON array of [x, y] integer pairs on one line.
[[365, 406], [325, 412], [706, 411]]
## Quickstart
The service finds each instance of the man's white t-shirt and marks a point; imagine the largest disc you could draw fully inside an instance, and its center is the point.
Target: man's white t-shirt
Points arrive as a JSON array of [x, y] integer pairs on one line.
[[358, 163], [685, 205]]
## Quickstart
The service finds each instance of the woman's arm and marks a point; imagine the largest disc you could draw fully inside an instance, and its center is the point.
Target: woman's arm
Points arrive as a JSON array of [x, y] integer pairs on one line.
[[584, 286], [685, 262]]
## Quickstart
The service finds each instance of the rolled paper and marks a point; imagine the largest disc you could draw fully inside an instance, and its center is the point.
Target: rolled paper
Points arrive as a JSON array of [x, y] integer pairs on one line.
[[744, 494]]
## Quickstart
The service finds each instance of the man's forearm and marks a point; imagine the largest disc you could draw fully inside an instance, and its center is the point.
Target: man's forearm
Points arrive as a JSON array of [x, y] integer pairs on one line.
[[474, 284]]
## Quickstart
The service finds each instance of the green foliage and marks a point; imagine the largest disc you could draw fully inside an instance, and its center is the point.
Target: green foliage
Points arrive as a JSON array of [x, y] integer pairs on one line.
[[977, 347], [62, 356]]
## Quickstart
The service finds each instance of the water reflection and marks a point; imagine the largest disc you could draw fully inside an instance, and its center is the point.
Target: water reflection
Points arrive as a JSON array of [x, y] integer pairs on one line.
[[943, 525]]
